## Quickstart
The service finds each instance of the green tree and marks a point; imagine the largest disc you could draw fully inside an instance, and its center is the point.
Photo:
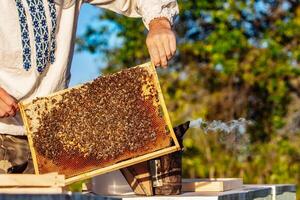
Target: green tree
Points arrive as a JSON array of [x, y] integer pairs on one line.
[[234, 59]]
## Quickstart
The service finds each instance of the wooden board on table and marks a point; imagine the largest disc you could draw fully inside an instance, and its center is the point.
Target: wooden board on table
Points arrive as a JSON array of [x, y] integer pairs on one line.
[[31, 190], [82, 166], [211, 185], [32, 180]]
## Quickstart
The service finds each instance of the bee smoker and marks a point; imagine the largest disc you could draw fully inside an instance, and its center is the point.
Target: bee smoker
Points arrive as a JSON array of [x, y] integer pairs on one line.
[[166, 171]]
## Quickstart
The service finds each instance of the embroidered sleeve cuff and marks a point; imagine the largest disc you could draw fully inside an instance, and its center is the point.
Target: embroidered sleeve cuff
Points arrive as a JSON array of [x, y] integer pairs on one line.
[[157, 9]]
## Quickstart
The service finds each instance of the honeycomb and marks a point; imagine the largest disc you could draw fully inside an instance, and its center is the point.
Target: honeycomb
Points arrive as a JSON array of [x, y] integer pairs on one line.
[[98, 124]]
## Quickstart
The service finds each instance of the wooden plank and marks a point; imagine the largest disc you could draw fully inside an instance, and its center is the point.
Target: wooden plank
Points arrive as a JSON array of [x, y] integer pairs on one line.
[[29, 137], [139, 178], [31, 190], [122, 164], [163, 105], [211, 185], [10, 180]]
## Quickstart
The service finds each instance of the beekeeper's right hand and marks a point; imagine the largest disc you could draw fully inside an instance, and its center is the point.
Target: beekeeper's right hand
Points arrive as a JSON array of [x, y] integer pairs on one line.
[[8, 105]]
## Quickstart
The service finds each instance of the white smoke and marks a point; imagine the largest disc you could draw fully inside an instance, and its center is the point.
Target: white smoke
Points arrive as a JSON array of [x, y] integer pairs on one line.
[[234, 126], [231, 134]]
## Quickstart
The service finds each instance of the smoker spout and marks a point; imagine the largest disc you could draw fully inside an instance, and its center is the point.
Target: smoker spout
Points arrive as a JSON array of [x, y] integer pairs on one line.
[[180, 131]]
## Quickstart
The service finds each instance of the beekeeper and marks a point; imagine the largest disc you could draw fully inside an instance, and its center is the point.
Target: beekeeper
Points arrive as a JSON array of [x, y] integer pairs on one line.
[[36, 49]]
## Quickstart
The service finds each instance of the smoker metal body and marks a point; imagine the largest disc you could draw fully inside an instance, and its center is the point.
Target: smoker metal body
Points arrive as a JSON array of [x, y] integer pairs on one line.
[[165, 171]]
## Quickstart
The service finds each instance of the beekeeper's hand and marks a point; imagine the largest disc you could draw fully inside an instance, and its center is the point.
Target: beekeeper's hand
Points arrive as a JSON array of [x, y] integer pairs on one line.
[[161, 41], [8, 105]]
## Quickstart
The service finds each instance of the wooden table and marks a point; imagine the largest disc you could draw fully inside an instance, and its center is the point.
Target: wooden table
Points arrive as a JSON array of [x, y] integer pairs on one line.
[[248, 192]]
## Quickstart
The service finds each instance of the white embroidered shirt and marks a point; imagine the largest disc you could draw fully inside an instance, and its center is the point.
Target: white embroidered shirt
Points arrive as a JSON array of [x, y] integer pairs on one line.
[[37, 42]]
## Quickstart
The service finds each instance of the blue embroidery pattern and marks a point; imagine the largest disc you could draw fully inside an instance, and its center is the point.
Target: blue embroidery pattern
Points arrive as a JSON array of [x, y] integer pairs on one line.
[[45, 45], [52, 10], [41, 35], [24, 35]]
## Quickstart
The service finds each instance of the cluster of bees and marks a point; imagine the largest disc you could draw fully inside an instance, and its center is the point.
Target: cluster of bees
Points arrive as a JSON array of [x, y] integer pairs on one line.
[[101, 120]]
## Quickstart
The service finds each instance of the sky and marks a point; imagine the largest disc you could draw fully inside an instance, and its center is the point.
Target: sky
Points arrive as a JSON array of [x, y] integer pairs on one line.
[[85, 67]]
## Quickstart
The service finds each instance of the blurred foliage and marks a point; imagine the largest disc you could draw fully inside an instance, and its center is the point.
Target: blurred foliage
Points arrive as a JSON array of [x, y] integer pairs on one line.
[[76, 187], [235, 59]]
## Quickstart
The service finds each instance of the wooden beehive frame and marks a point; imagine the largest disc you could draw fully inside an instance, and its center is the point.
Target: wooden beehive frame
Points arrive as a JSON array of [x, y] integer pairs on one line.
[[118, 165]]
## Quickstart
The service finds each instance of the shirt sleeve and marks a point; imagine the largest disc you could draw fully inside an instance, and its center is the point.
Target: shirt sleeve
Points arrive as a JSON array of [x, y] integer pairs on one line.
[[151, 9], [147, 9]]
